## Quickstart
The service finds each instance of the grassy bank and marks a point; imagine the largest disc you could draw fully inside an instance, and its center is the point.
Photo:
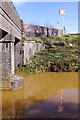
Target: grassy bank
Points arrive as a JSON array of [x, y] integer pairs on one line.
[[61, 54]]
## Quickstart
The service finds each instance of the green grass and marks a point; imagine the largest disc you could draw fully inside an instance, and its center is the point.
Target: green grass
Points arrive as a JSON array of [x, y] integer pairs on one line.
[[57, 57]]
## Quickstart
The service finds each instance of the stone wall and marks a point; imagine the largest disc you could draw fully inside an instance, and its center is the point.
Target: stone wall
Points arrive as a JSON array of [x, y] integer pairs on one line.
[[9, 19], [31, 48], [40, 31], [7, 58], [18, 54], [39, 47], [11, 37], [10, 11], [9, 51], [0, 62]]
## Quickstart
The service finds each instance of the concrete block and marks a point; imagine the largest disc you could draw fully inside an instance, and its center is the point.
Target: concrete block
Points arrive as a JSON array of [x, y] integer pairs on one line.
[[16, 82]]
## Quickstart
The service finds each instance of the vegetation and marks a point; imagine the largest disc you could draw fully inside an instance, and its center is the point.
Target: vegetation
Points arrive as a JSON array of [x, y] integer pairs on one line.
[[36, 39], [61, 54]]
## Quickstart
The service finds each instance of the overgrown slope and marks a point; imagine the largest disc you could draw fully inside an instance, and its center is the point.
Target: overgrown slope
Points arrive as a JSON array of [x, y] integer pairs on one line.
[[61, 54]]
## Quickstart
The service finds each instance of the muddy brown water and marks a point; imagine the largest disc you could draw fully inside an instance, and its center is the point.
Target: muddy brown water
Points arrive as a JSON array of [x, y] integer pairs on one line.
[[41, 96]]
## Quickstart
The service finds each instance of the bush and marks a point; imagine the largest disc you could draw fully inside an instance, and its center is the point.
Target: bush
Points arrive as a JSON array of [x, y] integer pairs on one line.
[[66, 35]]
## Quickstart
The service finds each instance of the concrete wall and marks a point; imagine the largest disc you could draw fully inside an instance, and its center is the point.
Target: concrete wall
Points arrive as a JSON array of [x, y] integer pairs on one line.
[[39, 47], [17, 53], [41, 31], [31, 48], [9, 19], [10, 58], [7, 58], [11, 37], [0, 62]]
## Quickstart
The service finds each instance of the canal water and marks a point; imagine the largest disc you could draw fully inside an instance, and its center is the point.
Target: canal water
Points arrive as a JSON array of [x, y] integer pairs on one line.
[[44, 95]]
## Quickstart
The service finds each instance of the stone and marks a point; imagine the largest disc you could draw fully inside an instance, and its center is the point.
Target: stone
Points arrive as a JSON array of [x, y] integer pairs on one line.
[[16, 82], [42, 31]]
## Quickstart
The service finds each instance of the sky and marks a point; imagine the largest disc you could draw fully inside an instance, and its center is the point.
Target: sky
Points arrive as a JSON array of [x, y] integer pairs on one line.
[[47, 13]]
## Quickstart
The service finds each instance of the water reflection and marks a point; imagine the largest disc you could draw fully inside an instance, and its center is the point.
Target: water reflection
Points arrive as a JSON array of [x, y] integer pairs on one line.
[[60, 107], [48, 109], [38, 88]]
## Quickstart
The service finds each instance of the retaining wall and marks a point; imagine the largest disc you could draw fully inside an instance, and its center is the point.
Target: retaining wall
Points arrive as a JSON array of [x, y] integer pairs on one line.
[[41, 31], [31, 48]]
